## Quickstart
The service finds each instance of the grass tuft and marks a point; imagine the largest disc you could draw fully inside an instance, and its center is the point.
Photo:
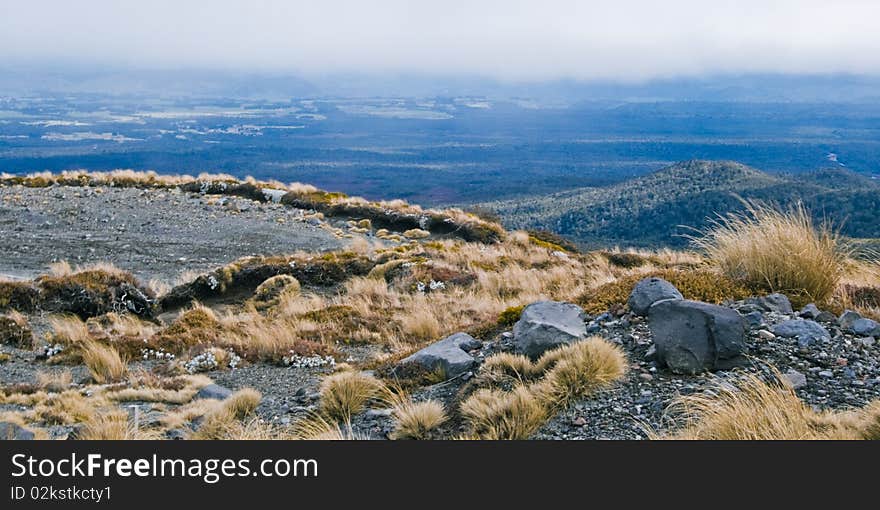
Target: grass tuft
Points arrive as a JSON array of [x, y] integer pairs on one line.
[[778, 251]]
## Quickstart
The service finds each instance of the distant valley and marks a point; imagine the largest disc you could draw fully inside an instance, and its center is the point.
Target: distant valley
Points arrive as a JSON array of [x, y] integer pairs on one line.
[[659, 209]]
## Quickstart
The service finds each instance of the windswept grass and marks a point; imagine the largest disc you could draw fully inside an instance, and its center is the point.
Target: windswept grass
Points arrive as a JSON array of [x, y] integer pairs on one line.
[[750, 408], [416, 420], [778, 251], [345, 394], [104, 362], [541, 388], [223, 419]]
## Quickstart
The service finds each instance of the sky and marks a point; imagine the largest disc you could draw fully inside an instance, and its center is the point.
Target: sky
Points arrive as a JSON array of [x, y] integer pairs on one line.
[[508, 40]]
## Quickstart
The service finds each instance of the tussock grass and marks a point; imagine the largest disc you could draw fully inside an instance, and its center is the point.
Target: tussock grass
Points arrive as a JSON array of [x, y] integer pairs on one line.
[[750, 408], [220, 421], [778, 251], [416, 420], [54, 381], [318, 428], [104, 362], [584, 369], [541, 388], [345, 394], [495, 414], [113, 426]]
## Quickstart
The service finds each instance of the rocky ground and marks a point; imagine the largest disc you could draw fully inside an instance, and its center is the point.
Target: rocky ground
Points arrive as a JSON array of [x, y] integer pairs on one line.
[[832, 362], [153, 233]]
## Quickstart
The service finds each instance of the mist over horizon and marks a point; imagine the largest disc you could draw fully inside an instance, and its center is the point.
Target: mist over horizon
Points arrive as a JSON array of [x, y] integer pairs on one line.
[[509, 42]]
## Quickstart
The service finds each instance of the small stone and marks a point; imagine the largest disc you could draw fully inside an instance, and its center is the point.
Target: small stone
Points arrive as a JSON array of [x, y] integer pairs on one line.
[[828, 374], [865, 327], [213, 391], [754, 319], [794, 379], [766, 335], [773, 303], [579, 421], [806, 332], [811, 311], [848, 318]]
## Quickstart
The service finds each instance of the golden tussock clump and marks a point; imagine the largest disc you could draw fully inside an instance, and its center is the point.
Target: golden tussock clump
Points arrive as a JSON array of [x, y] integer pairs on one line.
[[750, 408], [566, 374], [104, 363], [416, 420], [778, 251], [218, 422], [496, 414], [345, 394]]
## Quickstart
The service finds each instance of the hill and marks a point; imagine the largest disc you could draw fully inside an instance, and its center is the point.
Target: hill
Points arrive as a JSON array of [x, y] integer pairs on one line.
[[658, 209]]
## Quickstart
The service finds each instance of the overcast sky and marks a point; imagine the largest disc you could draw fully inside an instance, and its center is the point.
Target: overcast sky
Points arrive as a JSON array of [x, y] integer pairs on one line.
[[518, 40]]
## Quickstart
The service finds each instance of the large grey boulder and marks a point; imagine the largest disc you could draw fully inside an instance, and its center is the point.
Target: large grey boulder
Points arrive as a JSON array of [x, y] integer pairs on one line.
[[213, 391], [12, 432], [806, 332], [649, 291], [866, 327], [772, 303], [693, 337], [448, 355], [548, 324]]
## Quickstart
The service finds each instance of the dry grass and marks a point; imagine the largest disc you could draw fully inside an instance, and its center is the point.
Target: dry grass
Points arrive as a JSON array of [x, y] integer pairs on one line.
[[496, 414], [585, 368], [416, 420], [750, 408], [222, 420], [540, 389], [113, 426], [778, 251], [55, 381], [318, 428], [104, 362], [345, 394]]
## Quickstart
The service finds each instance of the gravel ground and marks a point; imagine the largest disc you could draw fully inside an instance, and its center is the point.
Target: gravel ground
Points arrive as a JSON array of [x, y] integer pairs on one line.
[[153, 233]]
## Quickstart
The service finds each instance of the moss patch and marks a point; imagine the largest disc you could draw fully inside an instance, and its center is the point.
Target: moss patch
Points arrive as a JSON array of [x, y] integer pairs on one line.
[[698, 285]]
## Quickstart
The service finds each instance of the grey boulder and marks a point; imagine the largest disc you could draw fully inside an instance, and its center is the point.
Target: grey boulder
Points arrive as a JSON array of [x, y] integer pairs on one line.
[[775, 302], [649, 291], [865, 327], [811, 311], [448, 355], [693, 337], [806, 332], [12, 432], [213, 391], [848, 318], [548, 324]]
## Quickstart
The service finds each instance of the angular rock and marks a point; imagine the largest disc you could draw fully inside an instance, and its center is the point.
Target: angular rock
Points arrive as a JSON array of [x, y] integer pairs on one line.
[[448, 355], [866, 327], [806, 332], [693, 337], [12, 432], [847, 318], [214, 391], [649, 291], [775, 302], [754, 319], [794, 379], [811, 311], [548, 324], [825, 316]]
